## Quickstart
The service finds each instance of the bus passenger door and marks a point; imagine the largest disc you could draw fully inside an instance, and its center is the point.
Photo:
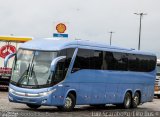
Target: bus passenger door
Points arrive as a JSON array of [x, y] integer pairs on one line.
[[60, 73], [82, 76]]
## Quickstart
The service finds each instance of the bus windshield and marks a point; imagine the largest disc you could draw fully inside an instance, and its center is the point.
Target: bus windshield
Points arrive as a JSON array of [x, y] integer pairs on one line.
[[32, 68]]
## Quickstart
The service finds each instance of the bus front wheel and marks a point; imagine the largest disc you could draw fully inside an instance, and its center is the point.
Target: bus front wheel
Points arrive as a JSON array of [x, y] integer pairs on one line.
[[70, 102], [33, 106], [127, 100]]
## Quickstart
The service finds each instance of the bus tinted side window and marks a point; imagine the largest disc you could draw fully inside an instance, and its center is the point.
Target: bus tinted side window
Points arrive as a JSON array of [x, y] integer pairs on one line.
[[133, 62], [110, 60], [100, 60], [96, 59], [82, 60], [147, 63], [152, 63], [88, 59], [116, 61], [121, 61], [105, 60], [141, 63]]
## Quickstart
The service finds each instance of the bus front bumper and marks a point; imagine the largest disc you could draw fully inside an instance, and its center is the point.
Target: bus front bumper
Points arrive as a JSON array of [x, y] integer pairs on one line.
[[50, 96], [33, 96], [30, 98]]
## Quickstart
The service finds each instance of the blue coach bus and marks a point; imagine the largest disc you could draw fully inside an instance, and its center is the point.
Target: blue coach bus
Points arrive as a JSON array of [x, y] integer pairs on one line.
[[65, 73]]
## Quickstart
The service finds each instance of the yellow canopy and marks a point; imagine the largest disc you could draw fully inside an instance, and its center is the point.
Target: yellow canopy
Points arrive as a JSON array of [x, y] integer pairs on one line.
[[15, 39]]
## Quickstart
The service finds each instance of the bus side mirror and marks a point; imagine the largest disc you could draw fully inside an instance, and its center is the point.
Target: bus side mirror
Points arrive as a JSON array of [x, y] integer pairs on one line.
[[55, 61], [7, 58]]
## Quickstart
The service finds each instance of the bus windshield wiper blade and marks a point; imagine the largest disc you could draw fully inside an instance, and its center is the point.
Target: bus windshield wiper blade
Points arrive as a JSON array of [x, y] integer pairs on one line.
[[24, 74], [34, 75]]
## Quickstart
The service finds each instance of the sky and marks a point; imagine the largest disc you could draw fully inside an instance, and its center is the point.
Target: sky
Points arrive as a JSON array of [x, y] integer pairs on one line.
[[85, 19]]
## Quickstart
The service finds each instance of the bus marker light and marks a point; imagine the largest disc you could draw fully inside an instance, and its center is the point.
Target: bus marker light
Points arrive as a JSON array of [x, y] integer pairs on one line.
[[60, 96], [60, 85], [54, 96]]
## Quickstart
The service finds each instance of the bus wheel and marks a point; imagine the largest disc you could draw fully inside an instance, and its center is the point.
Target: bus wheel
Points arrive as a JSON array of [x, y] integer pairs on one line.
[[70, 102], [33, 106], [158, 96], [127, 100], [136, 100]]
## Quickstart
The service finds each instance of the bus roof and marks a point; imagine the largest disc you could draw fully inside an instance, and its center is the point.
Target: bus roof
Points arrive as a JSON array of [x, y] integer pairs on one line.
[[55, 44], [15, 39]]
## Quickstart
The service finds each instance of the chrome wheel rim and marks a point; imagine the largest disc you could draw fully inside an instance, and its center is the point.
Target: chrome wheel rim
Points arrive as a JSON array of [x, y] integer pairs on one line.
[[68, 102], [128, 101], [136, 100]]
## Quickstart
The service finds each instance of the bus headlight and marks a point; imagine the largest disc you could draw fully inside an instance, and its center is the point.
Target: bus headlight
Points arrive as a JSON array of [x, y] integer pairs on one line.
[[47, 92], [11, 90]]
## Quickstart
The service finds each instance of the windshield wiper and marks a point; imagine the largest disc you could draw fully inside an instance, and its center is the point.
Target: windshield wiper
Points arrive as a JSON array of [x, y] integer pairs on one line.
[[24, 75], [33, 75]]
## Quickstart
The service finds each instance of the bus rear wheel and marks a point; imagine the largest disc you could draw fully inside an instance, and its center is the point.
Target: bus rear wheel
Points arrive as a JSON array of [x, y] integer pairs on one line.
[[69, 105], [33, 106], [127, 100], [135, 100]]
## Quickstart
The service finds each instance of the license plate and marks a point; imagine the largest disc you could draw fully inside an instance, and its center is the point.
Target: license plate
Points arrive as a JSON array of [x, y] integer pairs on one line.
[[25, 100]]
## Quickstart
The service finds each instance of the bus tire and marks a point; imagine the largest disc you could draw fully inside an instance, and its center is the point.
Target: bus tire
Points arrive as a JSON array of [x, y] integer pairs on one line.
[[33, 106], [69, 105], [127, 100], [136, 100]]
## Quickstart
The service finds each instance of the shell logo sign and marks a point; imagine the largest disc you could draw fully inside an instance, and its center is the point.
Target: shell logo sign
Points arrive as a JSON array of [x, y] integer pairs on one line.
[[6, 50], [61, 28]]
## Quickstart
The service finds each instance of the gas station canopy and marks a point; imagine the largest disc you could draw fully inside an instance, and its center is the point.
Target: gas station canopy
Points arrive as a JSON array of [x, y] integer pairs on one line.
[[15, 39]]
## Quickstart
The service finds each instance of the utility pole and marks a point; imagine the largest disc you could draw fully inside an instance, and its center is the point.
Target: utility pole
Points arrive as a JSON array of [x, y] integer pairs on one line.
[[111, 37], [141, 15]]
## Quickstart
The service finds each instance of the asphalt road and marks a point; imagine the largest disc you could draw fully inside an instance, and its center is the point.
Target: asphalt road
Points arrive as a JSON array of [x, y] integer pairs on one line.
[[7, 109]]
